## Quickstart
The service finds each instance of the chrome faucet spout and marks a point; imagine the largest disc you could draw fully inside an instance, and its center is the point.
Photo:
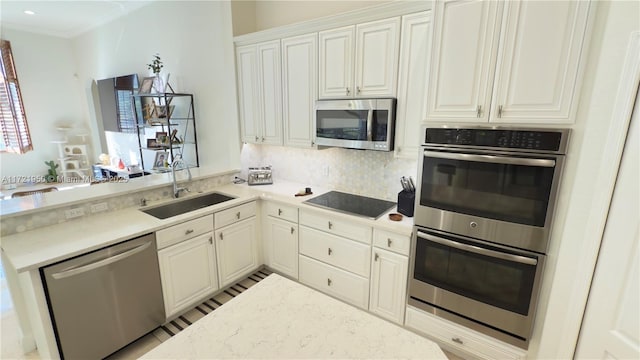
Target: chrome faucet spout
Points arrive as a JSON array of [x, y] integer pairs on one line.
[[174, 166]]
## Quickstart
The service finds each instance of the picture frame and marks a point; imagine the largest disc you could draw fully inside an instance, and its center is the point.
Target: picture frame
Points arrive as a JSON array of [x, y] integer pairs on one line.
[[152, 144], [164, 111], [147, 112], [146, 85], [160, 160], [161, 138]]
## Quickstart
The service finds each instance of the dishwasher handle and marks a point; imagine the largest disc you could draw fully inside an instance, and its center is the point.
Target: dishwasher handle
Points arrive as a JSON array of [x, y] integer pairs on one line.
[[102, 262]]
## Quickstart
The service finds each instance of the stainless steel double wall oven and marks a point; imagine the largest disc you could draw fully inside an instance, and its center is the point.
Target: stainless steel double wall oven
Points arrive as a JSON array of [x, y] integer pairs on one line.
[[484, 209]]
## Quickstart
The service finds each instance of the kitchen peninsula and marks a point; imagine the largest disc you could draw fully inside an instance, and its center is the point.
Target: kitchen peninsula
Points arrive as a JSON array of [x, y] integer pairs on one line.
[[279, 318]]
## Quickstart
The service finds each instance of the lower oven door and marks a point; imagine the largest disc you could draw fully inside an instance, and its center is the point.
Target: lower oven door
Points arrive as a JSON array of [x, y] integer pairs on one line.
[[487, 284]]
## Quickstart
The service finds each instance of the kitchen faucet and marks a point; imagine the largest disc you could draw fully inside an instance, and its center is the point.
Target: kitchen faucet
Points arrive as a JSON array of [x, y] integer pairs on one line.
[[178, 161]]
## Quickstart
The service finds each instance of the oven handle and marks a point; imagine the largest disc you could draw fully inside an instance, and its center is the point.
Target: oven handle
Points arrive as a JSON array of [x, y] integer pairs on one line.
[[492, 159], [478, 250], [370, 125]]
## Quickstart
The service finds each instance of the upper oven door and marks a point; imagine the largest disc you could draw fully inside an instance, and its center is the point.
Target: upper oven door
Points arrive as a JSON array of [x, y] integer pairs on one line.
[[357, 124], [501, 198]]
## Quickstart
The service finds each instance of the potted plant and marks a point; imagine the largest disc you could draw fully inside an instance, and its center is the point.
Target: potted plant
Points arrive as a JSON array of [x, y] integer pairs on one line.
[[156, 66]]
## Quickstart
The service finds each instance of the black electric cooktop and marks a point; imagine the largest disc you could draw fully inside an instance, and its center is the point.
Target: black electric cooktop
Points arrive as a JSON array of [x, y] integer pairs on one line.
[[352, 204]]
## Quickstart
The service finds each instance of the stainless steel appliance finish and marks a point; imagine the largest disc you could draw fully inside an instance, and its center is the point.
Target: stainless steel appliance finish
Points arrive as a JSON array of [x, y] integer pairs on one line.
[[102, 301], [504, 194], [484, 208], [260, 176], [493, 289], [367, 124]]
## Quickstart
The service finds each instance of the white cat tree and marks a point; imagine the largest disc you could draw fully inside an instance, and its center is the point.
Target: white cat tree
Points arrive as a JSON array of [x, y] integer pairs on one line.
[[72, 157]]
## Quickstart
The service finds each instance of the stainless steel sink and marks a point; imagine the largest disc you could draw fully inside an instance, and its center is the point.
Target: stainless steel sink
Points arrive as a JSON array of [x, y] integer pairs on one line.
[[183, 206]]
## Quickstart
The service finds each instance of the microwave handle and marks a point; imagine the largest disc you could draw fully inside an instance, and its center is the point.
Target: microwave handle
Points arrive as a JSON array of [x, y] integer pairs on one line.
[[370, 125], [491, 159], [478, 250]]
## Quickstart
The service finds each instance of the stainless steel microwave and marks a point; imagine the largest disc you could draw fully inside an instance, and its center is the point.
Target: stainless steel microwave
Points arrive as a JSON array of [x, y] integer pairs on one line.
[[367, 124]]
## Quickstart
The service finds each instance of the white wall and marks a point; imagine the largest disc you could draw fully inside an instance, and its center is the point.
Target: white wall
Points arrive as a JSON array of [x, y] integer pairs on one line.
[[574, 243], [244, 16], [51, 95], [194, 40]]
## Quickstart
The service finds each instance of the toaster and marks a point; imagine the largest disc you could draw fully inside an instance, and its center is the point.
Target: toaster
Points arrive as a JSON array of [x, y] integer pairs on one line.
[[260, 176]]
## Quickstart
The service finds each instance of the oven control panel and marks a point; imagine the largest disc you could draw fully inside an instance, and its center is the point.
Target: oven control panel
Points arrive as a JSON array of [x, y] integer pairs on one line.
[[542, 140]]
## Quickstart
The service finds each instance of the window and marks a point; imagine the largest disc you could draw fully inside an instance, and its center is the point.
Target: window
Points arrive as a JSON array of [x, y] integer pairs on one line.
[[13, 121]]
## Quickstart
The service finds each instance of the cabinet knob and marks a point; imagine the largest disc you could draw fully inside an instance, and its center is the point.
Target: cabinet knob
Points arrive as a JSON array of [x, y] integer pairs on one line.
[[500, 111], [256, 139], [263, 139], [211, 240], [238, 215], [457, 340], [279, 212], [375, 258], [189, 231], [330, 225], [221, 237], [348, 91], [479, 111], [313, 143], [329, 251], [328, 282], [389, 242], [358, 90], [292, 229]]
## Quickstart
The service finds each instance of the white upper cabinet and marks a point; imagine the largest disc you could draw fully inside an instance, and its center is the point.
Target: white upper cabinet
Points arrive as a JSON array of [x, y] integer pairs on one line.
[[538, 64], [260, 92], [464, 44], [300, 87], [412, 82], [513, 62], [360, 60]]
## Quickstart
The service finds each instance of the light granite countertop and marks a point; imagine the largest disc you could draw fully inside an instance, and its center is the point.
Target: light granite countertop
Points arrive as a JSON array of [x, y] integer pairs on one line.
[[32, 249], [281, 319]]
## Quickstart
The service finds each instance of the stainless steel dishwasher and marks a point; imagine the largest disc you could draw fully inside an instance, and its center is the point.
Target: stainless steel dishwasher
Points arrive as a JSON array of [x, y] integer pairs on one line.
[[103, 300]]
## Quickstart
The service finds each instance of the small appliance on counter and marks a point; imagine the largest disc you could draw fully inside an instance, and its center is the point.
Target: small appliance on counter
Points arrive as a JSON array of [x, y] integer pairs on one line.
[[407, 197], [260, 176]]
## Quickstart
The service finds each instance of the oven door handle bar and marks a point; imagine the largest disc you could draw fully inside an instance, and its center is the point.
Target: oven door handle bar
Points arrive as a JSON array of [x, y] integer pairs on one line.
[[478, 250], [491, 159]]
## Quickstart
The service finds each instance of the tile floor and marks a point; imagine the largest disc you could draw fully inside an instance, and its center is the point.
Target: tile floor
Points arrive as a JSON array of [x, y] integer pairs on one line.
[[10, 347]]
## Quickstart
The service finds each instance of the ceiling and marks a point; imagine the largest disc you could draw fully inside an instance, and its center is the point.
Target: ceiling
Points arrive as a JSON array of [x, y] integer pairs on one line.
[[66, 18]]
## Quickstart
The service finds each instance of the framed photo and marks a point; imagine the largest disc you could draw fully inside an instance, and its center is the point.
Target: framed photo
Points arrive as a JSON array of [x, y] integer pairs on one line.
[[147, 112], [164, 111], [161, 138], [146, 85], [162, 157], [152, 144]]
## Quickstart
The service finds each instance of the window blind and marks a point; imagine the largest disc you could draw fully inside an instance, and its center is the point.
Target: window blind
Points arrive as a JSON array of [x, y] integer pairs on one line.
[[13, 121]]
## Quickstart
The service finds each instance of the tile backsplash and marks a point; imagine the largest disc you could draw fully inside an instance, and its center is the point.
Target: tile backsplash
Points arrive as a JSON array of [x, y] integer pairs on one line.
[[370, 173]]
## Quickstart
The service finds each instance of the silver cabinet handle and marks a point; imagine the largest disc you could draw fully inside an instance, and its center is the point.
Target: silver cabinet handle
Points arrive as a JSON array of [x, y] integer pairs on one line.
[[375, 258], [457, 340], [256, 139], [348, 91], [328, 282], [329, 251], [238, 215], [211, 240], [500, 111], [478, 250], [102, 262], [221, 237], [279, 212], [330, 225], [292, 230], [370, 125], [491, 159], [189, 231], [479, 111], [389, 242]]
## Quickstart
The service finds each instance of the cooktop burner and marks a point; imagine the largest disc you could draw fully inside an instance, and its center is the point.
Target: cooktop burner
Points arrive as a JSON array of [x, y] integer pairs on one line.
[[352, 204]]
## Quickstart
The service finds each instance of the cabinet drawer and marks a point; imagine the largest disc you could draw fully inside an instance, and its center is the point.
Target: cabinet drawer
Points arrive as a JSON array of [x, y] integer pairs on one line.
[[391, 241], [281, 211], [336, 226], [460, 338], [229, 216], [181, 232], [334, 250], [333, 281]]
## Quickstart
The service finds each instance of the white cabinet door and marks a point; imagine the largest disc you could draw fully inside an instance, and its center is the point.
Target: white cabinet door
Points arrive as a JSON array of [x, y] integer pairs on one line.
[[336, 62], [270, 84], [412, 83], [377, 47], [281, 238], [299, 79], [248, 93], [539, 61], [188, 273], [464, 45], [237, 249], [388, 285]]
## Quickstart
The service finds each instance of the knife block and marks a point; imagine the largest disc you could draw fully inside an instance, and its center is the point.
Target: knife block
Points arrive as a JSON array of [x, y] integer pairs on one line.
[[406, 202]]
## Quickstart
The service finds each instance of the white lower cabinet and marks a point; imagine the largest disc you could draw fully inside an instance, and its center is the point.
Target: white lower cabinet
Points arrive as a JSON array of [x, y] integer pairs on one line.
[[237, 248], [188, 273], [460, 339], [281, 243], [388, 285], [341, 284]]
